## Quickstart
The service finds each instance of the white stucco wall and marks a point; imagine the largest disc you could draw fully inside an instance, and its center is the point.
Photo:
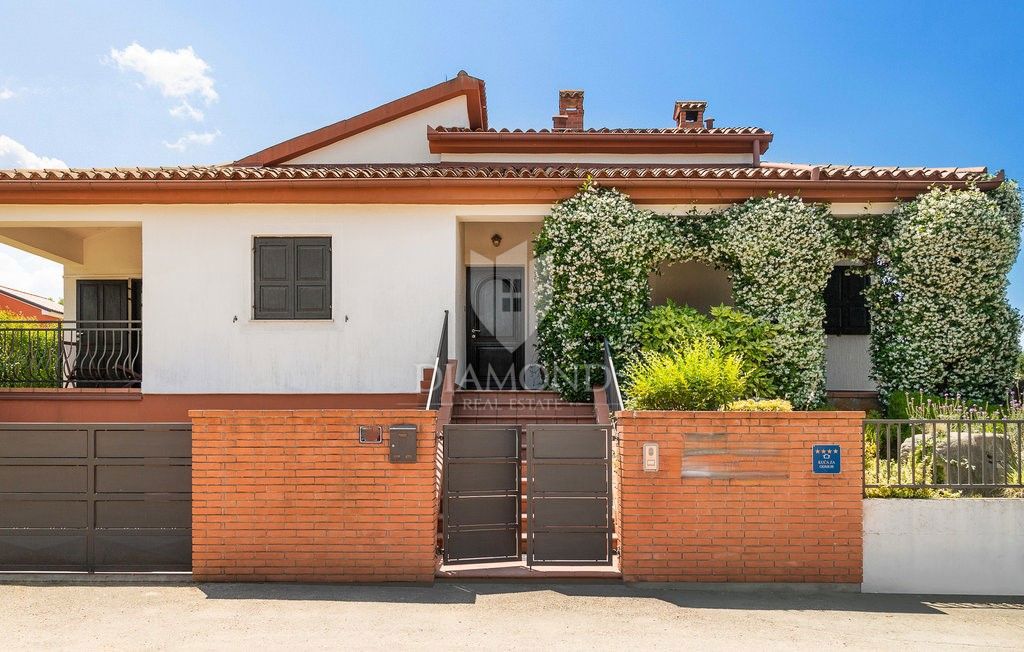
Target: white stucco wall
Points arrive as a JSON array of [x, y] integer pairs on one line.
[[970, 546], [393, 275], [848, 363], [400, 141]]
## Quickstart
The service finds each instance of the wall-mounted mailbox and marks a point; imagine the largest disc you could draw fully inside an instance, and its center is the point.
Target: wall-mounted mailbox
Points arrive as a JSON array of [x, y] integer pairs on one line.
[[371, 434], [403, 442]]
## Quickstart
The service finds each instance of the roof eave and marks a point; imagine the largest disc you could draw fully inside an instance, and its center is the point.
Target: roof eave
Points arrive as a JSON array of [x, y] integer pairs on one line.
[[516, 142], [473, 190]]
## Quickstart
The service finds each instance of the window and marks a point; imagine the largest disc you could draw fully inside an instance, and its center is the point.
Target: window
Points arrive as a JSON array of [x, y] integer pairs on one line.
[[291, 278], [846, 312]]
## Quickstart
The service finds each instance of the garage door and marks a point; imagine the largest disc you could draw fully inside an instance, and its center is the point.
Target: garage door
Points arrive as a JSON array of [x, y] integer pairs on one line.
[[95, 497]]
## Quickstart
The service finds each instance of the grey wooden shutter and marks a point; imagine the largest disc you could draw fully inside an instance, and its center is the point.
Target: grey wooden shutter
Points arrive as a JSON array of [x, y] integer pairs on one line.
[[273, 287], [312, 278]]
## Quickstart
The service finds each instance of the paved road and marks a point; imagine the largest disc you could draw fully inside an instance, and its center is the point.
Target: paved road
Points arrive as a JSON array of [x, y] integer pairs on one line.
[[456, 616]]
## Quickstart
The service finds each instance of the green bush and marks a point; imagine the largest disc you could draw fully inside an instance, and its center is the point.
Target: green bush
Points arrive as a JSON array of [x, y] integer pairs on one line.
[[29, 352], [700, 376], [759, 405], [917, 405], [671, 327]]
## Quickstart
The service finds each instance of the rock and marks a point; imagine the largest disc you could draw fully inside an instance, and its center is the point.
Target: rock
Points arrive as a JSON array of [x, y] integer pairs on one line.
[[981, 458]]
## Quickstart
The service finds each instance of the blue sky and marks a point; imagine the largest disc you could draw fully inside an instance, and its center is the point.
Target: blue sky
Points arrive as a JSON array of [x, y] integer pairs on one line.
[[892, 83]]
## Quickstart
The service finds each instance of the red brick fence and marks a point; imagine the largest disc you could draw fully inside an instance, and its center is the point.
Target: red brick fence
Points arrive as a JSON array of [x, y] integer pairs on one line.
[[294, 496], [735, 498]]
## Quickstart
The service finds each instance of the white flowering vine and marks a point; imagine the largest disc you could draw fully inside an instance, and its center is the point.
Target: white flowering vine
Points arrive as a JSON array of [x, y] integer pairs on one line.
[[940, 319]]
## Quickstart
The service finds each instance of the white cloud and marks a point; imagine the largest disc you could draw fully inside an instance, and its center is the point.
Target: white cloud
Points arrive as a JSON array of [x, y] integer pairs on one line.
[[31, 273], [179, 74], [192, 138], [6, 93], [186, 110], [15, 155]]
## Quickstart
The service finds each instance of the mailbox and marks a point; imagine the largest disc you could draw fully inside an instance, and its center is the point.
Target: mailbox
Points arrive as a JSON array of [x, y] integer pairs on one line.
[[403, 442]]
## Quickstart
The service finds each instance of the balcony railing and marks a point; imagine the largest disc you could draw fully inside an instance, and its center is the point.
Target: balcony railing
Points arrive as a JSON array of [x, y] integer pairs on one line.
[[36, 353]]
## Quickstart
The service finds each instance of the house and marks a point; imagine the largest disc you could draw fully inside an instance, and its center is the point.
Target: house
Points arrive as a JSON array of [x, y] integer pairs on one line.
[[29, 305], [319, 271]]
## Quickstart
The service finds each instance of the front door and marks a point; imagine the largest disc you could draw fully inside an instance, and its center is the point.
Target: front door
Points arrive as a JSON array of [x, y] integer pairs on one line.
[[495, 335]]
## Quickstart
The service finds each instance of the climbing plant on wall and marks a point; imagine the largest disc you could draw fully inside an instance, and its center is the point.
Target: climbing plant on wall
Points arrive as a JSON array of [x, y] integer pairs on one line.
[[940, 319], [593, 257], [780, 252]]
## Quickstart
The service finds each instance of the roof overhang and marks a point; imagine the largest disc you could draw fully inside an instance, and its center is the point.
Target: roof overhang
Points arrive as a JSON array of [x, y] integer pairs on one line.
[[610, 142], [462, 84], [463, 190]]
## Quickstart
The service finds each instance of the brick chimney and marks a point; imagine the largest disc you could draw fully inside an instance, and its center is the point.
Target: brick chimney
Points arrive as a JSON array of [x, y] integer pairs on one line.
[[570, 111], [689, 114]]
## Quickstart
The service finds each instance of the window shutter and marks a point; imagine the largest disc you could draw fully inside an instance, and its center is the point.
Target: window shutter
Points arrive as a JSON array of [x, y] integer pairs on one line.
[[274, 270], [833, 302], [312, 278], [855, 310]]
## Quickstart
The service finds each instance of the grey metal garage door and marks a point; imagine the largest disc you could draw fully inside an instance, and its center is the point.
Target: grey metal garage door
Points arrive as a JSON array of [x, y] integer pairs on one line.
[[95, 497], [569, 494]]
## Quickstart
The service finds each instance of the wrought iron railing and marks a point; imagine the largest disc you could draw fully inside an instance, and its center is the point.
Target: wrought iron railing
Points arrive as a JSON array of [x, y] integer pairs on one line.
[[440, 367], [612, 393], [36, 353], [955, 454]]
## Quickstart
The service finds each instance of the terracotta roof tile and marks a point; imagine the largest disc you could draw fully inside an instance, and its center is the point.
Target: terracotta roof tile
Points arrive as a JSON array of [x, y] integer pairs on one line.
[[604, 130], [503, 171]]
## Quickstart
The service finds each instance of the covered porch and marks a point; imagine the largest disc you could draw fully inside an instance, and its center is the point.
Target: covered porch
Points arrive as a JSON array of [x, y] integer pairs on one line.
[[97, 344]]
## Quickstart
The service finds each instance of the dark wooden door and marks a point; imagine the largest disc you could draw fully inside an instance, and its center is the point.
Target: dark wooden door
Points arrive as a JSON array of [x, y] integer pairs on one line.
[[495, 337]]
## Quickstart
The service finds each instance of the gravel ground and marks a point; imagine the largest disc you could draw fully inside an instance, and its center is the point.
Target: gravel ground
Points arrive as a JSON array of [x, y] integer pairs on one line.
[[459, 615]]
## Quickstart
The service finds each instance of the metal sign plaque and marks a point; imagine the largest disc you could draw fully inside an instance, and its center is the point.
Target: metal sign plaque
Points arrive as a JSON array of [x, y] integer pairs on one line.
[[826, 458]]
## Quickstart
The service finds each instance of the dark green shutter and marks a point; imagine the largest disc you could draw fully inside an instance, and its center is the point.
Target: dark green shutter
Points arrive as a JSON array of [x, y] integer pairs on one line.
[[292, 278], [312, 278]]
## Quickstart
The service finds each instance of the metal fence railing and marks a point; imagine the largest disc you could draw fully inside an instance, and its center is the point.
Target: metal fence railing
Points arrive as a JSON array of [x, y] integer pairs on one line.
[[38, 353], [956, 454]]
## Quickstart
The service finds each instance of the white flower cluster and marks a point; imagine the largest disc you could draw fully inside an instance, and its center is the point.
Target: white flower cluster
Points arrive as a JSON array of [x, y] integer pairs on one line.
[[941, 322]]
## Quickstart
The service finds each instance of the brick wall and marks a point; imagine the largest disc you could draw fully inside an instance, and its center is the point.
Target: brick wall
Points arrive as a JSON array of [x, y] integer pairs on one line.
[[735, 499], [291, 495]]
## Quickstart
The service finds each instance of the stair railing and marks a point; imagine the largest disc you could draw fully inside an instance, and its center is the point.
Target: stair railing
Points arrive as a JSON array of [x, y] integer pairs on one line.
[[440, 367], [612, 393]]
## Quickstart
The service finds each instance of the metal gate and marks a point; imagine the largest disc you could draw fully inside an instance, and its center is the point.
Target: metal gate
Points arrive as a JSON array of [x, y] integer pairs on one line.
[[569, 494], [95, 497], [481, 493]]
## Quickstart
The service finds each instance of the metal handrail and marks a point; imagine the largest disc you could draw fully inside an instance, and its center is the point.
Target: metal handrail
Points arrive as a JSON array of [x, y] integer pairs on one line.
[[612, 393], [82, 353], [440, 367]]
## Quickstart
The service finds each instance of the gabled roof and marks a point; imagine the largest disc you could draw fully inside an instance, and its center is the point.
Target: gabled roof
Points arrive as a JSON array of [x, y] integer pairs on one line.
[[35, 300], [463, 84]]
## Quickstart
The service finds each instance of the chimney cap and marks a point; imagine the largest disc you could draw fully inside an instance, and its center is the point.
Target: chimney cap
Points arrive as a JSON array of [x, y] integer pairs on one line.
[[688, 105]]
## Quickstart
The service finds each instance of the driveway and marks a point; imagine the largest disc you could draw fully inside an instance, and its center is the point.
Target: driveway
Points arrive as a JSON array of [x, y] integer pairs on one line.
[[465, 616]]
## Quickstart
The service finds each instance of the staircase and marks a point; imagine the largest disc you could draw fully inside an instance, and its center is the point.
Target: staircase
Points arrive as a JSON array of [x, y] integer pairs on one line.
[[518, 407]]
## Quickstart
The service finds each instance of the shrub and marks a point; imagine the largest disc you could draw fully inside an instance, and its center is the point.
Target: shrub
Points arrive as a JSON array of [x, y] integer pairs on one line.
[[672, 327], [699, 376], [759, 405], [29, 352]]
